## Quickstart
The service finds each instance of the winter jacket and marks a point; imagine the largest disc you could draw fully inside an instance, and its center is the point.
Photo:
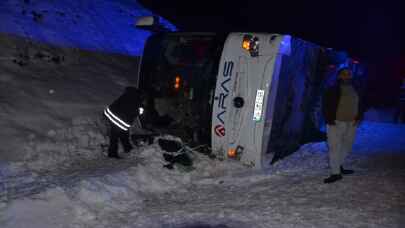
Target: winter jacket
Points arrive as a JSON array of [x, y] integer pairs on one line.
[[330, 102], [125, 109]]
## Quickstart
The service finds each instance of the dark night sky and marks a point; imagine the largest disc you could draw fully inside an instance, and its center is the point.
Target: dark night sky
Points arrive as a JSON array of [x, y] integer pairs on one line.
[[371, 31]]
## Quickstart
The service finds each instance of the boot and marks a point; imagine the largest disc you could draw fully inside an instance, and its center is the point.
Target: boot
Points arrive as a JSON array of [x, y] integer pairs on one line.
[[346, 171], [332, 178]]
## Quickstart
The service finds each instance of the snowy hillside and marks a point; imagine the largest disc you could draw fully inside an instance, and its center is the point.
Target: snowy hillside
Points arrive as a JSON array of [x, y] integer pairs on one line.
[[104, 26], [51, 98], [60, 63]]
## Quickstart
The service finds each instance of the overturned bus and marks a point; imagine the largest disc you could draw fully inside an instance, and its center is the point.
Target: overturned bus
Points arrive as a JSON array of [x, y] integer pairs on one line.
[[254, 97]]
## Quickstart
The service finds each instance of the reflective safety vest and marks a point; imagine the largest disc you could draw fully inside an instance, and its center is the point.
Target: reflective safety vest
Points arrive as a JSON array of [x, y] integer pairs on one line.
[[116, 120]]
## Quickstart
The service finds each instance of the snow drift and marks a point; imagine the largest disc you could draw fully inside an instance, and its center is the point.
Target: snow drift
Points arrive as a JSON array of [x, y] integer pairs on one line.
[[106, 26], [55, 102]]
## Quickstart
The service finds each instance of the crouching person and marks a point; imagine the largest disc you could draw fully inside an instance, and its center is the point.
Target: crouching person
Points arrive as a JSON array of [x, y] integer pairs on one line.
[[121, 114], [343, 110]]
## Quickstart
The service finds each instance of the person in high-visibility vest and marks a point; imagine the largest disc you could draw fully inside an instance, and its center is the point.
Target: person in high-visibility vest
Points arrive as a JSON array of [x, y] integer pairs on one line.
[[121, 114]]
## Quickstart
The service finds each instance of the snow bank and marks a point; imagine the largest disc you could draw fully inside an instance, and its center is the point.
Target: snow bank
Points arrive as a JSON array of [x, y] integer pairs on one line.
[[104, 26], [52, 207], [94, 194], [84, 139], [52, 109]]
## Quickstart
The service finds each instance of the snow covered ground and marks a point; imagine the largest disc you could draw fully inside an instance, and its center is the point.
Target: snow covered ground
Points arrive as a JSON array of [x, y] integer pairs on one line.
[[53, 172], [139, 192]]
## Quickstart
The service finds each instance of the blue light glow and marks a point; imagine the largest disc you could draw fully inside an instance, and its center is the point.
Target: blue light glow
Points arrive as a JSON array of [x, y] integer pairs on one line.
[[106, 26]]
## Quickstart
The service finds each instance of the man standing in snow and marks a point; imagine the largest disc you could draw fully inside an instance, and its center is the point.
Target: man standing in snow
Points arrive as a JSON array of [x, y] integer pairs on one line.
[[121, 113], [342, 109]]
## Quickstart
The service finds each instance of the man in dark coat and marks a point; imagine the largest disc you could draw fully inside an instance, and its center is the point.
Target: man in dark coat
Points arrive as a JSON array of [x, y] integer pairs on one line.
[[121, 114], [343, 109]]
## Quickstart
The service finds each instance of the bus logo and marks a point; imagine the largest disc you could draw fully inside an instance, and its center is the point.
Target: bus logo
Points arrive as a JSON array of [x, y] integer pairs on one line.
[[224, 91], [220, 130]]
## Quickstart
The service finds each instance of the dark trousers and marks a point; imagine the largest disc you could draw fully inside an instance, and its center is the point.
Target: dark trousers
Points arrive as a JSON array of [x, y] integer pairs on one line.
[[118, 135]]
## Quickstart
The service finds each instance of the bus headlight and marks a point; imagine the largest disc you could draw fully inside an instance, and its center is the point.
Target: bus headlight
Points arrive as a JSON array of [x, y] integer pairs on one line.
[[251, 44]]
